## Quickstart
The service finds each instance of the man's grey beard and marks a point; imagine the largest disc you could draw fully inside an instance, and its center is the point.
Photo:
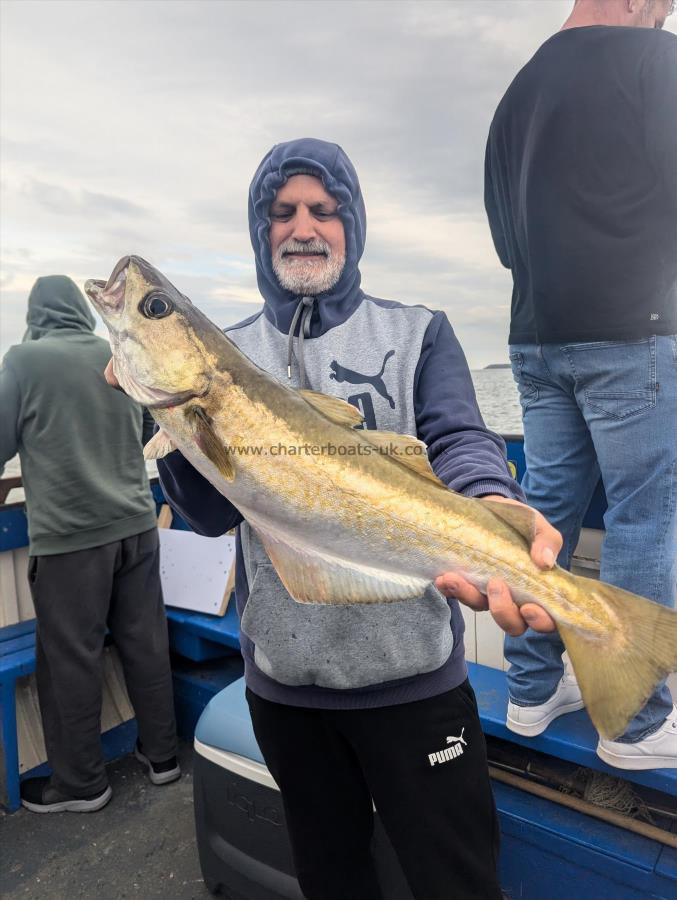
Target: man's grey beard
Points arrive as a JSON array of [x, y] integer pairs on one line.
[[305, 276]]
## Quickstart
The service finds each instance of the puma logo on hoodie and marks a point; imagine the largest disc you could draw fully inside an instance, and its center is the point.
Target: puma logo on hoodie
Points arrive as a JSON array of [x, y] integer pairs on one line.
[[340, 374]]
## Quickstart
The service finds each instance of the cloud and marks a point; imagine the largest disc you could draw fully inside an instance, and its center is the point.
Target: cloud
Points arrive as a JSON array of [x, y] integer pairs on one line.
[[136, 126], [58, 199]]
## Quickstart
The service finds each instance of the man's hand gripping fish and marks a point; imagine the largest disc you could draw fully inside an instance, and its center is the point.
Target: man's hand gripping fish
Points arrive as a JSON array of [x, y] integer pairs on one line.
[[361, 525]]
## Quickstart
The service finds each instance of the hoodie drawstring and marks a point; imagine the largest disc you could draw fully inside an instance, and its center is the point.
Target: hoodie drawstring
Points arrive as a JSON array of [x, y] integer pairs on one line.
[[304, 310]]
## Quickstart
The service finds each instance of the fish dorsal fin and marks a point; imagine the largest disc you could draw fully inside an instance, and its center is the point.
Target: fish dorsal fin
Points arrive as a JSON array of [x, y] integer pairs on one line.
[[313, 576], [158, 446], [333, 408], [520, 518], [209, 442], [407, 450]]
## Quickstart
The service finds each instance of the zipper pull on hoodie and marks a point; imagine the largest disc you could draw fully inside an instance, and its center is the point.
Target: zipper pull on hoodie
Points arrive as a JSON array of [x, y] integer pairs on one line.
[[304, 310]]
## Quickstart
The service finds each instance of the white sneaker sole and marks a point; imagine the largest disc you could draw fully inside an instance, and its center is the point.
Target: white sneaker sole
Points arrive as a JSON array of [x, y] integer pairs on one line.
[[636, 763], [535, 728], [155, 777], [79, 806]]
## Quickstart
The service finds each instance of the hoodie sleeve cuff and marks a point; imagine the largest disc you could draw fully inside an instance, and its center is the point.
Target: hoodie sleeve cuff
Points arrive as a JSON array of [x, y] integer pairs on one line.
[[482, 488]]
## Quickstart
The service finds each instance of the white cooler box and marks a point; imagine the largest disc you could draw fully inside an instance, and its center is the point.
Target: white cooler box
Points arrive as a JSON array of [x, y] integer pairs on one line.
[[241, 833]]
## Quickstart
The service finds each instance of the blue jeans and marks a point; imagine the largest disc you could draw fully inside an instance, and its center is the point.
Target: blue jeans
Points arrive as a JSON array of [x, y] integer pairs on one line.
[[609, 408]]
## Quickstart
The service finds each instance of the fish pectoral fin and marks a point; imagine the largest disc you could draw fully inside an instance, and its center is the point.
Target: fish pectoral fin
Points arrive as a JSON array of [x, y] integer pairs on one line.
[[333, 408], [520, 518], [209, 442], [407, 450], [618, 671], [158, 446], [314, 577]]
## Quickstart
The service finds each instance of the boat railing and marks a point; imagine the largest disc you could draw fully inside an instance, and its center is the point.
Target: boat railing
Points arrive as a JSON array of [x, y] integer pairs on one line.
[[8, 484]]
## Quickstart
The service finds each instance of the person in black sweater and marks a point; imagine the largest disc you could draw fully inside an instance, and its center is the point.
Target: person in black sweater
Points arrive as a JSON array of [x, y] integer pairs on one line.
[[581, 195]]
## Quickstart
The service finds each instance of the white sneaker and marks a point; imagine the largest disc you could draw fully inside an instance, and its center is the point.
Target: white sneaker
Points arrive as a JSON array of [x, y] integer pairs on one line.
[[532, 720], [658, 751]]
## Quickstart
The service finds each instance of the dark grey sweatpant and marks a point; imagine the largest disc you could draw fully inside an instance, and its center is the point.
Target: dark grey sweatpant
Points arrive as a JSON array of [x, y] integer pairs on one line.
[[76, 596]]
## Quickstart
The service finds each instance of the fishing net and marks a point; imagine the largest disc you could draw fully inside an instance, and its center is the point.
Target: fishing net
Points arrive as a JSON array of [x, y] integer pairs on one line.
[[608, 792]]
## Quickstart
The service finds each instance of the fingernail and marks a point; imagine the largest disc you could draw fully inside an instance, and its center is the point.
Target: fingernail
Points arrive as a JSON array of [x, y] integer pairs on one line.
[[493, 590], [548, 557]]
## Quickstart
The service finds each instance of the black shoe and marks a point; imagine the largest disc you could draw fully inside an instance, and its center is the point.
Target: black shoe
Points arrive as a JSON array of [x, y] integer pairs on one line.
[[159, 773], [38, 795]]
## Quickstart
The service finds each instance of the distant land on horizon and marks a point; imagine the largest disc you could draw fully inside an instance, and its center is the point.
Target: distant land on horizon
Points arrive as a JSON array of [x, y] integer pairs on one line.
[[498, 366]]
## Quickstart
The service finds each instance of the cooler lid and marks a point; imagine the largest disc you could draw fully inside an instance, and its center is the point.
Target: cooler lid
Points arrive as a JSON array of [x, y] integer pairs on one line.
[[226, 725]]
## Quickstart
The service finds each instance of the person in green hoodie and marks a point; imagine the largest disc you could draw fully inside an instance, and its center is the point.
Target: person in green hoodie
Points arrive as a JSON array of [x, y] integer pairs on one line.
[[94, 550]]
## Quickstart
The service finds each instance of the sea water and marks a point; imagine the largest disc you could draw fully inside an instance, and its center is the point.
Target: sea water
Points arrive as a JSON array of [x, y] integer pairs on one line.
[[498, 400]]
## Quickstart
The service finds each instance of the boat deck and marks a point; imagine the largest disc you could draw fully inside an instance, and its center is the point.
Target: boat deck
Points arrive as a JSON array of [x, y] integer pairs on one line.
[[142, 844]]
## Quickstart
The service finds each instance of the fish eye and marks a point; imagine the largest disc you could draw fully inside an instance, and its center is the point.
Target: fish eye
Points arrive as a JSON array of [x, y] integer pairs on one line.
[[155, 306]]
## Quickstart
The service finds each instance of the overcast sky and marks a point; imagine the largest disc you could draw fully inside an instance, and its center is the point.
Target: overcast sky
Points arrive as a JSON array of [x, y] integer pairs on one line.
[[136, 127]]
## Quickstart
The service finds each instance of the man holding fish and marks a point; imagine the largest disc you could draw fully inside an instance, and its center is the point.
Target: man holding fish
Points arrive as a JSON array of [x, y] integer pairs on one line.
[[354, 662]]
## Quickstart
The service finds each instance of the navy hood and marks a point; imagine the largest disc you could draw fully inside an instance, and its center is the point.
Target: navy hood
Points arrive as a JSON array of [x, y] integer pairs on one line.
[[339, 177]]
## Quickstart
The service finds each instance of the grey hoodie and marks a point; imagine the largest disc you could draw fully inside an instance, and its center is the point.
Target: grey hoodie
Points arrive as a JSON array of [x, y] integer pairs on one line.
[[78, 440]]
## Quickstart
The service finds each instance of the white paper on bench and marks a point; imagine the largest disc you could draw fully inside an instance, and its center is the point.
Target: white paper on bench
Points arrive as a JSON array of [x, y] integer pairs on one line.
[[194, 569]]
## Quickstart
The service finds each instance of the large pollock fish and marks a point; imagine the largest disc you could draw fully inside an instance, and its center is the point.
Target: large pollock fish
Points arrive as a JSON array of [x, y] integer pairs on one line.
[[369, 523]]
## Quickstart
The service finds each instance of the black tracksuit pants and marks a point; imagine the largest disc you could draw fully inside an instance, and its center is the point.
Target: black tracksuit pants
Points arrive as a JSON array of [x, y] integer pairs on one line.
[[425, 766], [76, 595]]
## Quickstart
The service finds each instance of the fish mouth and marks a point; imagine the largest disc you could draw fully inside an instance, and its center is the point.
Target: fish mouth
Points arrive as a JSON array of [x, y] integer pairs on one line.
[[109, 296]]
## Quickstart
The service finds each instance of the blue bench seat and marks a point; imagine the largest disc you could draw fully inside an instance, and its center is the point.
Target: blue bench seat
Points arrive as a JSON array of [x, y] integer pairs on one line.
[[199, 636], [571, 737], [17, 658]]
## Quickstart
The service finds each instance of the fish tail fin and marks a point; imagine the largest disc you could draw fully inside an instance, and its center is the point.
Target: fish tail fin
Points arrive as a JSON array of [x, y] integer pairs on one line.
[[618, 672]]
